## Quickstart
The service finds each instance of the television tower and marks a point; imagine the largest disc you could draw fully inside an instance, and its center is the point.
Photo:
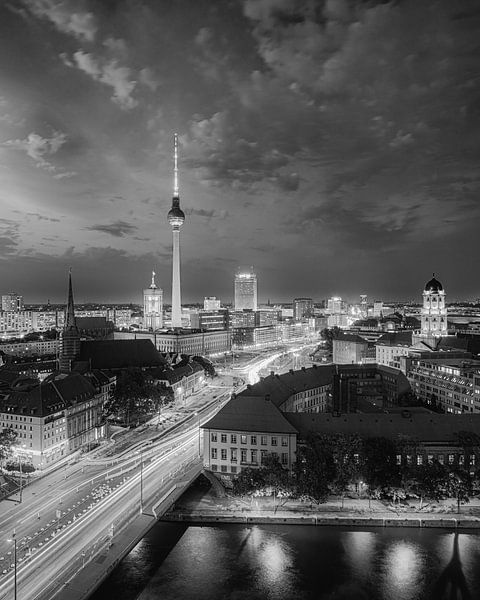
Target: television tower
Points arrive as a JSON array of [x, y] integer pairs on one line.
[[176, 217]]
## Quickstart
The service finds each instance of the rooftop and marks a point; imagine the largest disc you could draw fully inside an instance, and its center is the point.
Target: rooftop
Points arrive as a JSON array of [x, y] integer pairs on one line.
[[250, 413]]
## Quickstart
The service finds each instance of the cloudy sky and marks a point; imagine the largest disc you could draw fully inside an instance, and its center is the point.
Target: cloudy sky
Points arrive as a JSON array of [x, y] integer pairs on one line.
[[334, 145]]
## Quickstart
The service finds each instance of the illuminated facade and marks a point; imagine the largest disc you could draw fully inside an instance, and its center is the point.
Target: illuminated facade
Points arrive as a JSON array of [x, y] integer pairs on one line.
[[245, 290], [12, 302], [176, 217], [153, 306], [434, 311], [302, 308]]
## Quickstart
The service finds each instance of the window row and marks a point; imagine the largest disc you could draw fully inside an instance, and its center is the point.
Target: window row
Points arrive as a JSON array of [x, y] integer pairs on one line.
[[450, 459], [251, 458], [244, 439]]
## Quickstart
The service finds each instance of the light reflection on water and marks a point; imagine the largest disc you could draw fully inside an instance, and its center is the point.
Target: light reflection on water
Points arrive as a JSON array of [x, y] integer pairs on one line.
[[234, 562]]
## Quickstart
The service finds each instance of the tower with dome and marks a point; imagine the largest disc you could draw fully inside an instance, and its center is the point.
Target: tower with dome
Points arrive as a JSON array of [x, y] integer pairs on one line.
[[434, 310], [176, 217]]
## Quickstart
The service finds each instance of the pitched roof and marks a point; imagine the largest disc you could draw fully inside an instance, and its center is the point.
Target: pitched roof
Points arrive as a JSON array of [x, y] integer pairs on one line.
[[177, 373], [247, 413], [423, 427], [57, 392], [281, 387], [397, 338], [120, 354]]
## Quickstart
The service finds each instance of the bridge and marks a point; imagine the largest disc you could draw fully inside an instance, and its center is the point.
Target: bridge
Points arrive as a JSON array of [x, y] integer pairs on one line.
[[91, 515]]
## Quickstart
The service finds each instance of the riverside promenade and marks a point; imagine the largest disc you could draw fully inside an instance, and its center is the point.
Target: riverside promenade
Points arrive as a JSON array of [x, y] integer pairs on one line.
[[195, 507]]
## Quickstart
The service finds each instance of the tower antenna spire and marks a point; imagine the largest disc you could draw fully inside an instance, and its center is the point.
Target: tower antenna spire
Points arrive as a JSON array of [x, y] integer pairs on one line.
[[175, 169]]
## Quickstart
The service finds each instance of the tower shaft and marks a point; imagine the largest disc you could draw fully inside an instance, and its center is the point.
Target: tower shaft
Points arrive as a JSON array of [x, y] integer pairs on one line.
[[176, 293]]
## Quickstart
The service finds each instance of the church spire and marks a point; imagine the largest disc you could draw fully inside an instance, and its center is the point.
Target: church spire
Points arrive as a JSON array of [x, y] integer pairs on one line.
[[70, 316], [70, 338]]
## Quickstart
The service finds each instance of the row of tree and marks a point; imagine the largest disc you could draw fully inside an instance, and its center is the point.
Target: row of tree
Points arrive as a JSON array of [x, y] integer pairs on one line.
[[337, 463]]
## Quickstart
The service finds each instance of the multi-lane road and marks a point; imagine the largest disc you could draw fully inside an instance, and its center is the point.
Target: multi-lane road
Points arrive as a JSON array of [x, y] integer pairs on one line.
[[67, 516]]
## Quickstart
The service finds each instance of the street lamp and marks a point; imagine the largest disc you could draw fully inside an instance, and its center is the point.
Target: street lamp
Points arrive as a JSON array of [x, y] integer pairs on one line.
[[199, 452], [14, 540], [21, 475], [141, 480]]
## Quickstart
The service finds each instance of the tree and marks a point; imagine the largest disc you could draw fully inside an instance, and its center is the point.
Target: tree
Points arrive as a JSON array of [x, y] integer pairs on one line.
[[314, 469], [329, 334], [248, 481], [379, 464], [135, 396], [7, 440], [345, 451]]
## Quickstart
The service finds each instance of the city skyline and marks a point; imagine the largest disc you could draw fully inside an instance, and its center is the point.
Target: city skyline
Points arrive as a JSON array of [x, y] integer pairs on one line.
[[335, 150]]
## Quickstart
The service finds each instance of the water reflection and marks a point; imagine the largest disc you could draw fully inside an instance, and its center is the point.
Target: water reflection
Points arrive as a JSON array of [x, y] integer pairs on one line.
[[232, 562], [452, 584]]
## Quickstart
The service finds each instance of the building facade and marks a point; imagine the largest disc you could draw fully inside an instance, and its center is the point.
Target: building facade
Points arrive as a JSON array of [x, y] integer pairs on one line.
[[245, 290], [302, 308], [353, 349], [194, 342], [12, 302], [451, 384], [57, 417]]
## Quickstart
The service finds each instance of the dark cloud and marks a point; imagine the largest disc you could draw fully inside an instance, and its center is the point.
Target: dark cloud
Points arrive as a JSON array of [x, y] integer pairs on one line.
[[117, 229]]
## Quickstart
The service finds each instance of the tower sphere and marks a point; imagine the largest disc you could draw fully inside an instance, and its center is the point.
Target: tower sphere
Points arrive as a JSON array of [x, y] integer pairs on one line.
[[176, 216]]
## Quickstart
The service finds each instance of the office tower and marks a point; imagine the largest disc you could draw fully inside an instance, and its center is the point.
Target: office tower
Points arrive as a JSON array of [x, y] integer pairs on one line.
[[153, 306], [434, 311], [176, 217], [70, 338], [245, 289], [211, 303], [12, 302], [334, 305], [302, 308]]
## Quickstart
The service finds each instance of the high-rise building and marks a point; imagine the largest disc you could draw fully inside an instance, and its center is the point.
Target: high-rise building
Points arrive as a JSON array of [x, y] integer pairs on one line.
[[70, 337], [153, 306], [334, 305], [302, 308], [434, 311], [12, 302], [176, 217], [246, 289], [211, 303]]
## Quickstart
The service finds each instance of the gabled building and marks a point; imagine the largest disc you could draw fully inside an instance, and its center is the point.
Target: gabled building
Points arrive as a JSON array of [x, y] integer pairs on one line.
[[244, 432]]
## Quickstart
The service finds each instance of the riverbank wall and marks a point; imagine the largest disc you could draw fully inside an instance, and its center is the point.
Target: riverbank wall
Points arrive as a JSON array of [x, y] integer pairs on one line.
[[440, 521]]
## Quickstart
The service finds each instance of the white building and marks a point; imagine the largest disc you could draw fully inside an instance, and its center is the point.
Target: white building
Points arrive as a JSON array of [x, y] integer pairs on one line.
[[153, 306], [245, 291], [434, 311], [211, 303]]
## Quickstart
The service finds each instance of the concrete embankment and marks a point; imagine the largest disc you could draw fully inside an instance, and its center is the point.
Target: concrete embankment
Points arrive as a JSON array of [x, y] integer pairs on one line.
[[441, 521]]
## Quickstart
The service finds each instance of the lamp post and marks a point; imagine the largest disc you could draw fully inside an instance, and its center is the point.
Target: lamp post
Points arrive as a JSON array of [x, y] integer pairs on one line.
[[21, 475], [141, 480], [199, 452], [14, 540]]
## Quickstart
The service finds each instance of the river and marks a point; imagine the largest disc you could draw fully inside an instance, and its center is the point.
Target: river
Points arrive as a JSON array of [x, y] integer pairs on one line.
[[295, 562]]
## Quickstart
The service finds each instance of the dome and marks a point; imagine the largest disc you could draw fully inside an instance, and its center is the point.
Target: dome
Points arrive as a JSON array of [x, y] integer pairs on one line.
[[433, 285]]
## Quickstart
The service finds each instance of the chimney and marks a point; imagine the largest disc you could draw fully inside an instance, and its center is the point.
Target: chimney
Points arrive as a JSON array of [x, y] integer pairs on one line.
[[267, 397]]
